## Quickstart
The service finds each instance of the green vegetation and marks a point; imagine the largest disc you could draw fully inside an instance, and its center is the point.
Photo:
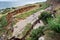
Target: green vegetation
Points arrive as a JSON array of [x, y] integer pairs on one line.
[[4, 11], [49, 30], [55, 24], [35, 34], [3, 23], [44, 6], [26, 14], [45, 16]]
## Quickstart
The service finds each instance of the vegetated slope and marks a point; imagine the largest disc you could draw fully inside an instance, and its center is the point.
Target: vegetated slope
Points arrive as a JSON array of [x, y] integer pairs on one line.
[[11, 14], [51, 30]]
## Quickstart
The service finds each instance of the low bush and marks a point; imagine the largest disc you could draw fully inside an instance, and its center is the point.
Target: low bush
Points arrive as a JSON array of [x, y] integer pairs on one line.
[[3, 21], [45, 16], [55, 25], [36, 33]]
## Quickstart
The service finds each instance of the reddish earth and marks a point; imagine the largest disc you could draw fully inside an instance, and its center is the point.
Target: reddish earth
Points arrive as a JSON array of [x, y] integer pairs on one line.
[[9, 16]]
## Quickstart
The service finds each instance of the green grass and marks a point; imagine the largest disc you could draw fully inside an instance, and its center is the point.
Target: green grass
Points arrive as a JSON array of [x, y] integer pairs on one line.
[[3, 21], [53, 28], [36, 33], [26, 14]]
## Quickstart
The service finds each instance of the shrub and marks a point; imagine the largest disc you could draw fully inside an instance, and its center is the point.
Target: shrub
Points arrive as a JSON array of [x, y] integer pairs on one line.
[[3, 21], [36, 33], [45, 16], [55, 25]]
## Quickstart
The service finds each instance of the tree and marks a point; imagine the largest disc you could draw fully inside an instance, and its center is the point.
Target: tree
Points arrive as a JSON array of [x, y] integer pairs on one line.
[[3, 21]]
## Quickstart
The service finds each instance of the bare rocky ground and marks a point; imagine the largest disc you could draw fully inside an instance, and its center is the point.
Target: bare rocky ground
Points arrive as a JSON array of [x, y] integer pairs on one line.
[[19, 27]]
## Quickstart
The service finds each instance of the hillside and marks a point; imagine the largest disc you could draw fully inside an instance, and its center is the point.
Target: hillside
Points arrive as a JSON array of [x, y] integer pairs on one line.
[[10, 16], [38, 21]]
